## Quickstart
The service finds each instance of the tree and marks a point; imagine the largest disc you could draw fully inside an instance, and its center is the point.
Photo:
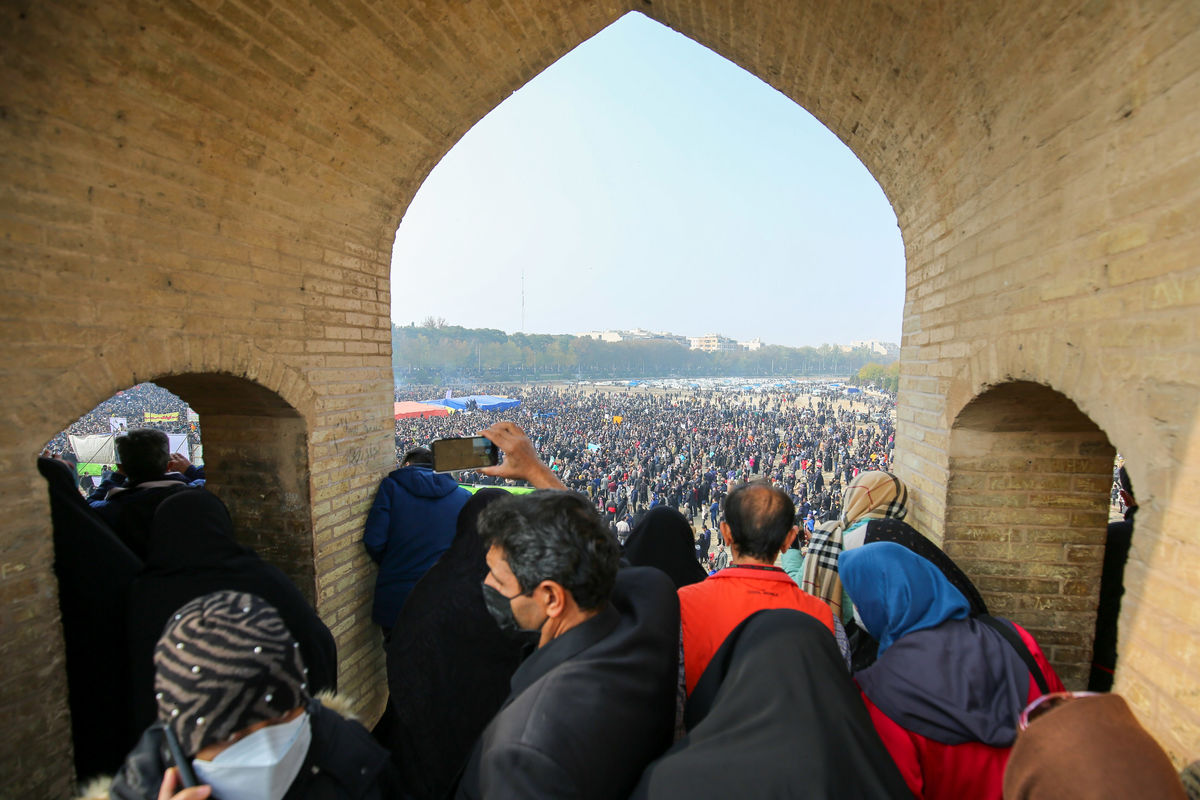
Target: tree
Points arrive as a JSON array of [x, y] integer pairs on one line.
[[886, 378], [437, 346]]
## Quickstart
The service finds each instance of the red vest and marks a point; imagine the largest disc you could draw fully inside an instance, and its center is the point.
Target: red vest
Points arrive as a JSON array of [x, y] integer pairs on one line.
[[711, 609]]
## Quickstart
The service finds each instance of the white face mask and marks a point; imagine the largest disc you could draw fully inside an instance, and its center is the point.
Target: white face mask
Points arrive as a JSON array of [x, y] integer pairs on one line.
[[260, 767]]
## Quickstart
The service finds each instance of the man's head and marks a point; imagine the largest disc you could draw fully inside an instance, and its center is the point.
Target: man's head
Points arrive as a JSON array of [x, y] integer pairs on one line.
[[418, 457], [758, 521], [226, 662], [548, 551], [143, 454]]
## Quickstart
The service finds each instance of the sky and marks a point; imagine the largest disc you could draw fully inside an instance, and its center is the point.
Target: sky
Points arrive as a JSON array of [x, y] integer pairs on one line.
[[643, 181]]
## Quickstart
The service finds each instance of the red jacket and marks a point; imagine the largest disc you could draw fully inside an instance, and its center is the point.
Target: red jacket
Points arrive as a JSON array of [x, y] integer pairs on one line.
[[934, 771], [711, 609]]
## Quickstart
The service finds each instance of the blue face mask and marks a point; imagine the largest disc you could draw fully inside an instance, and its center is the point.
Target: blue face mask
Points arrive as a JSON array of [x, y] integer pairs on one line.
[[261, 766]]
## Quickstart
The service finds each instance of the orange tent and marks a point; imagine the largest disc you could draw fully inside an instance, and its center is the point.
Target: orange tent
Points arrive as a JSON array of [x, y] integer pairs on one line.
[[411, 409]]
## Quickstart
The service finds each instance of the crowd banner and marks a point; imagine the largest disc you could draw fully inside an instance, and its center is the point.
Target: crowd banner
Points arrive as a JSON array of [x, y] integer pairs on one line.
[[118, 424], [148, 418]]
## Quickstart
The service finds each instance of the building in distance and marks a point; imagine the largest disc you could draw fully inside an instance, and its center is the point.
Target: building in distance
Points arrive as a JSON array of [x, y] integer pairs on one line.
[[890, 349], [714, 343], [635, 335], [709, 343]]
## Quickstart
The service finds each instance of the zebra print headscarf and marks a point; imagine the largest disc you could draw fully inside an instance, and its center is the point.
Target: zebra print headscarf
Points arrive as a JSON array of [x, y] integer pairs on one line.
[[224, 662]]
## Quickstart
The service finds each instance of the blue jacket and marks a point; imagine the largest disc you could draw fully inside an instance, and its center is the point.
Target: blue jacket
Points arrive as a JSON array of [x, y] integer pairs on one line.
[[410, 524]]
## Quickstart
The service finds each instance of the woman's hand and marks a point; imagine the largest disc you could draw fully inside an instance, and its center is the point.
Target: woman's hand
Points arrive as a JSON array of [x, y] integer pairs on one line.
[[171, 781]]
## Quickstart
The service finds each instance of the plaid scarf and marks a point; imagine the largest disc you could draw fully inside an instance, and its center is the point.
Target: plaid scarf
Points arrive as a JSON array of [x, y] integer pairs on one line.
[[871, 495], [821, 566]]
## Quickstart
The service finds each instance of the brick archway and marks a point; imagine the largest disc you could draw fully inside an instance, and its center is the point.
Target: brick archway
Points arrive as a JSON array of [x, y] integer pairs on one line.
[[231, 176], [255, 448], [1026, 510], [256, 460]]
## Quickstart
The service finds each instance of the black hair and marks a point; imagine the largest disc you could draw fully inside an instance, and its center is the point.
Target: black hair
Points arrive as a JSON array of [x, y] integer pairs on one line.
[[143, 453], [556, 536], [760, 518], [418, 456]]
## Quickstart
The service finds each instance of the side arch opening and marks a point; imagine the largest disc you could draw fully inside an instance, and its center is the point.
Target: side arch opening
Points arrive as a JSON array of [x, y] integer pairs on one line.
[[254, 447], [1026, 510], [256, 458]]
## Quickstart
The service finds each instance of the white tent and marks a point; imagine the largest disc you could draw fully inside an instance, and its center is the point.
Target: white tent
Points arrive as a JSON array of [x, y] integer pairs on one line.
[[99, 448]]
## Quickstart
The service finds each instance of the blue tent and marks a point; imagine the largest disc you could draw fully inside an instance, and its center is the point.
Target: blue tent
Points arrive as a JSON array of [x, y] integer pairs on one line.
[[489, 402], [485, 402]]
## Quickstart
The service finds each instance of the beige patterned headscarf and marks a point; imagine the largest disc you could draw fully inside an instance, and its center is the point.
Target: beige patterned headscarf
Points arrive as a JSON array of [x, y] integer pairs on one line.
[[871, 495], [874, 495]]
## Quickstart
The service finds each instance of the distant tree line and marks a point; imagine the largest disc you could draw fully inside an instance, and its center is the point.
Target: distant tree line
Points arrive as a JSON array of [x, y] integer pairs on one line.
[[436, 350], [886, 377]]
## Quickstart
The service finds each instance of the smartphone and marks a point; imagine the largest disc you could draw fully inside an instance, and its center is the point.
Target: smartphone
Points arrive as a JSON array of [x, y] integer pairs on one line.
[[186, 775], [466, 452]]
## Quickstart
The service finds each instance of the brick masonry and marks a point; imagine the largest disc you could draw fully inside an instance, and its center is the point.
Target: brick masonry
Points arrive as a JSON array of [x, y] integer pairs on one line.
[[211, 188], [1027, 506]]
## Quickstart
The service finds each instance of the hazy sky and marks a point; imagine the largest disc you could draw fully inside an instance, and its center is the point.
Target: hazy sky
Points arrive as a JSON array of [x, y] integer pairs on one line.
[[644, 181]]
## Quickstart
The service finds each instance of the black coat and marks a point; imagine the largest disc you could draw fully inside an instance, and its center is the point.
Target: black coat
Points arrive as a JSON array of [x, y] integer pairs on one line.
[[130, 512], [775, 715], [192, 553], [662, 538], [94, 570], [590, 709], [448, 665]]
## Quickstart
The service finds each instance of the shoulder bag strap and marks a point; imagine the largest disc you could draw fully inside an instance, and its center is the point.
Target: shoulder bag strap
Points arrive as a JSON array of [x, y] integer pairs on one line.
[[1014, 639]]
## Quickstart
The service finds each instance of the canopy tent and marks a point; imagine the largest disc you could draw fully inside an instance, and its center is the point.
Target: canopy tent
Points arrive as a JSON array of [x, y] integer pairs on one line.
[[485, 402], [411, 409]]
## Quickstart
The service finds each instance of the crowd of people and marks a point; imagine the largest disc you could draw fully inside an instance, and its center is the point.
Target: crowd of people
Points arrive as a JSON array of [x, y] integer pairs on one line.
[[580, 640], [633, 450], [168, 413]]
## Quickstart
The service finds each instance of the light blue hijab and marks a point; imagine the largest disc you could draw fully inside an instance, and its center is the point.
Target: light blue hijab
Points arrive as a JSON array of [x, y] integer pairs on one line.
[[897, 592]]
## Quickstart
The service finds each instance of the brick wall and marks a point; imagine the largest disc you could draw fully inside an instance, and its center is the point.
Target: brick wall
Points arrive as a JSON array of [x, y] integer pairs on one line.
[[1027, 506], [212, 188]]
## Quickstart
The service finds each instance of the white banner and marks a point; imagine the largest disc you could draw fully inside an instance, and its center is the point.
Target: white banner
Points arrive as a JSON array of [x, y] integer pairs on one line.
[[100, 448], [94, 449], [118, 424]]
